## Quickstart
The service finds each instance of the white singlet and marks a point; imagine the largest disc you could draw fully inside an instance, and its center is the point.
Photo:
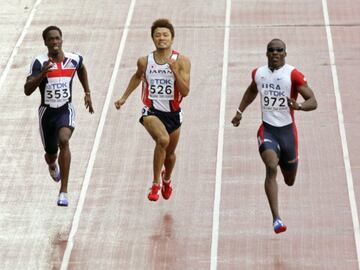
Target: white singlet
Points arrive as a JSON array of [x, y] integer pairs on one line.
[[274, 88]]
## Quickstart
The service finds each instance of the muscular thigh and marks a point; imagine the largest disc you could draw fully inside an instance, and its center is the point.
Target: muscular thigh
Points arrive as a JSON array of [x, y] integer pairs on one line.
[[154, 127], [288, 150], [55, 123], [171, 120], [48, 131], [268, 141], [283, 141]]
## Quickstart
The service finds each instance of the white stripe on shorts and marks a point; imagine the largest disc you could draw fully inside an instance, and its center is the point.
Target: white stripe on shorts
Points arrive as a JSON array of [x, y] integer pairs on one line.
[[181, 115], [41, 112], [71, 115]]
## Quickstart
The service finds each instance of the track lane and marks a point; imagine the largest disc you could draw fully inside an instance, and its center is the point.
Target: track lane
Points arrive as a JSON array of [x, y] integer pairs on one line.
[[346, 47], [248, 240], [129, 231], [34, 229], [119, 227]]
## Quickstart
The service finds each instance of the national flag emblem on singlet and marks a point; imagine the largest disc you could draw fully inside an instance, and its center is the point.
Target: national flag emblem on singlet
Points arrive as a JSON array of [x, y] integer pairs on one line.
[[56, 88]]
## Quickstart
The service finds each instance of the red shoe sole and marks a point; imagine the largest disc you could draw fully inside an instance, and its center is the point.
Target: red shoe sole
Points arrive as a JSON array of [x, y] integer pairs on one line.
[[281, 229], [153, 199]]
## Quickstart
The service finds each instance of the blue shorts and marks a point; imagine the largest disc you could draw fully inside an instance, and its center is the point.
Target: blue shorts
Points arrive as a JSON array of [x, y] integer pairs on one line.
[[283, 140], [171, 120], [51, 120]]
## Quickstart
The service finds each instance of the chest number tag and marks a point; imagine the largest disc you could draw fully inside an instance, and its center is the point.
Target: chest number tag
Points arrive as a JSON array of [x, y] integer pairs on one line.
[[161, 89], [56, 94], [274, 103]]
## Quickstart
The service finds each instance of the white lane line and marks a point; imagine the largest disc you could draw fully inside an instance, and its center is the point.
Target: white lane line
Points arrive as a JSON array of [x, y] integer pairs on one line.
[[349, 177], [80, 205], [220, 149], [18, 43]]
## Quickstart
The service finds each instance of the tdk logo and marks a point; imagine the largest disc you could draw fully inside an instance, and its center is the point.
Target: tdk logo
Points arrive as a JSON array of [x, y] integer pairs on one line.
[[56, 85], [274, 93], [160, 81]]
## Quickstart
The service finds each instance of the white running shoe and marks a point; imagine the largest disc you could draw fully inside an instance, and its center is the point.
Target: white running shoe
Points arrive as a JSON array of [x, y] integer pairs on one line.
[[55, 174], [63, 199]]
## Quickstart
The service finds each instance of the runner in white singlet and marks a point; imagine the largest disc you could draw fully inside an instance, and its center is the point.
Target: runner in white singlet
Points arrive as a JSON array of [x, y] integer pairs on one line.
[[165, 75], [279, 85]]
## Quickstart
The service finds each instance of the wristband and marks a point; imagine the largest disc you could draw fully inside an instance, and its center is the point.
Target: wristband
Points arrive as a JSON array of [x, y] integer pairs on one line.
[[238, 110], [87, 93]]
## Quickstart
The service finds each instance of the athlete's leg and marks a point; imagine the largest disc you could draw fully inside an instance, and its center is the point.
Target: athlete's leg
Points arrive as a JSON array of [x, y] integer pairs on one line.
[[49, 137], [158, 132], [289, 158], [64, 156], [170, 158], [289, 176], [271, 161], [51, 160]]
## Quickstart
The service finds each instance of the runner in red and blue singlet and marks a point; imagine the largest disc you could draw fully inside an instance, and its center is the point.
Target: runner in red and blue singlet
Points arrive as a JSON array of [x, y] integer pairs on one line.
[[279, 85], [166, 80]]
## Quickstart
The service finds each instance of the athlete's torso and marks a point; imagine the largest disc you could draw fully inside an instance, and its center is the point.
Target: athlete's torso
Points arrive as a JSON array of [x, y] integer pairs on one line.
[[274, 88], [159, 91], [56, 88]]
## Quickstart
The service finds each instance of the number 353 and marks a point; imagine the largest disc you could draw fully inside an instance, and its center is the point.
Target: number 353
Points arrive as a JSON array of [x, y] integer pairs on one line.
[[57, 93]]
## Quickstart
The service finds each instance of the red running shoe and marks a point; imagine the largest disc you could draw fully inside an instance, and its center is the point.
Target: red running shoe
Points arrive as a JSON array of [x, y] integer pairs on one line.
[[154, 192], [166, 189]]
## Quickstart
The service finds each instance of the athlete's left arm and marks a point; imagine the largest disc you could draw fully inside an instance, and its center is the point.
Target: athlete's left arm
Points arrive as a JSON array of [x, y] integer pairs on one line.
[[310, 102], [181, 70], [83, 77]]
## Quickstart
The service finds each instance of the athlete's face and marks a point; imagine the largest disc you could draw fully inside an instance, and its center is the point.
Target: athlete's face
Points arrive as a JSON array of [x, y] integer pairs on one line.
[[276, 53], [162, 38], [53, 42]]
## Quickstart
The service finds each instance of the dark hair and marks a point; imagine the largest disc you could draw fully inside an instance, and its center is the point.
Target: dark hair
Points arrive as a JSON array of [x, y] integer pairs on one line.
[[50, 28], [162, 23], [276, 39]]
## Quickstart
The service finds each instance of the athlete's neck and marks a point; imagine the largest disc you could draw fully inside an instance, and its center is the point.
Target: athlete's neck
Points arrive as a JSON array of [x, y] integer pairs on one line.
[[56, 56], [273, 68], [162, 55]]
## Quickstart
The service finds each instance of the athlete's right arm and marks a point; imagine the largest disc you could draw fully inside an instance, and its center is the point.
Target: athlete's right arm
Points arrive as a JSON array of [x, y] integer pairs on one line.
[[33, 81], [249, 96], [134, 82]]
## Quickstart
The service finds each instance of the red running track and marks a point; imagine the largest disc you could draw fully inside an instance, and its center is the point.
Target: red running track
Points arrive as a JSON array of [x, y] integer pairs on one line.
[[118, 227]]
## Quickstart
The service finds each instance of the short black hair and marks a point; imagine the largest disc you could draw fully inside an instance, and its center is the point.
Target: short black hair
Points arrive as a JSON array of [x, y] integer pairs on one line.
[[276, 39], [50, 28], [165, 23]]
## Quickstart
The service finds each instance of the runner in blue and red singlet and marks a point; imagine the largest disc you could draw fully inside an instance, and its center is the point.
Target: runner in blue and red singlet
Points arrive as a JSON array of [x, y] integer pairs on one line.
[[53, 74]]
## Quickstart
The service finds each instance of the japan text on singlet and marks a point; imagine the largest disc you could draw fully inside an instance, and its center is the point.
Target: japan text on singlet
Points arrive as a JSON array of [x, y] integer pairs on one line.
[[274, 88], [159, 91], [56, 87]]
